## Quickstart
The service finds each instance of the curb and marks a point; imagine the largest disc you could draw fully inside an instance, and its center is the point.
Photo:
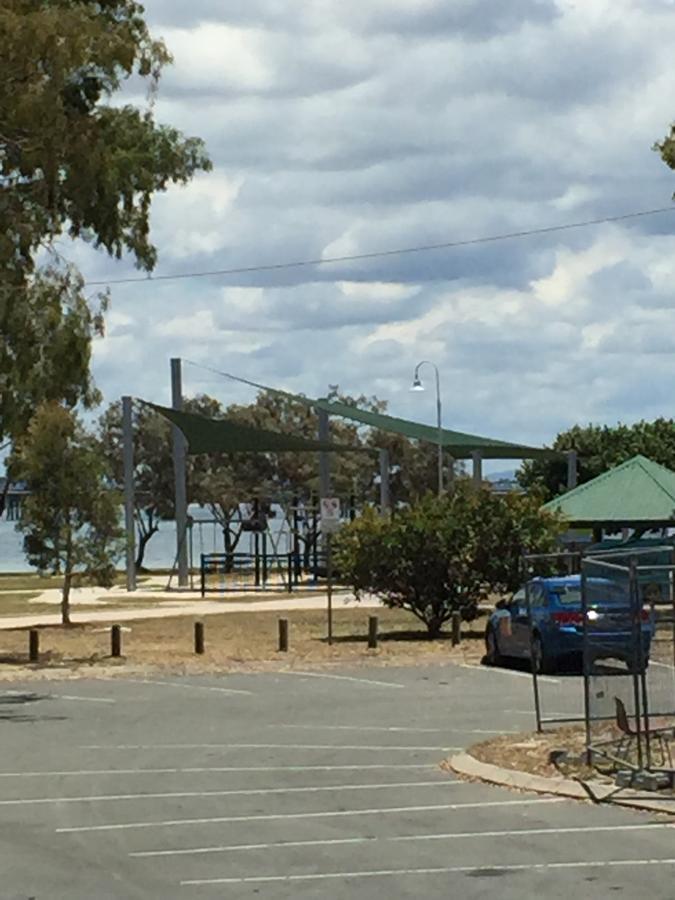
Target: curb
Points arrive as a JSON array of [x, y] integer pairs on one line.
[[470, 767]]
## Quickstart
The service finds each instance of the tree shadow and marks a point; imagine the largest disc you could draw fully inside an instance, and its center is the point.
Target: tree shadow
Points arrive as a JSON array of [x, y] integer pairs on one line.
[[12, 708], [403, 636]]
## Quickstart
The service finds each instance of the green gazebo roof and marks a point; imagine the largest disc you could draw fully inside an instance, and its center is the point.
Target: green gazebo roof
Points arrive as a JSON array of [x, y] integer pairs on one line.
[[638, 492]]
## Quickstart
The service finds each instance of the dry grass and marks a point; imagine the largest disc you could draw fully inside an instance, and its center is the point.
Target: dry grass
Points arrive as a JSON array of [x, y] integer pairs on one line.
[[16, 604], [530, 752], [237, 641], [31, 581]]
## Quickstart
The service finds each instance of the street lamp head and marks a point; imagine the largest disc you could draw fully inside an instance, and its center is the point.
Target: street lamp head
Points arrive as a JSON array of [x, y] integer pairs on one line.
[[417, 384]]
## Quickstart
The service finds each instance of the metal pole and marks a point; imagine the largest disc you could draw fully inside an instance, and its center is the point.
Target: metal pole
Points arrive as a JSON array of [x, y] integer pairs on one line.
[[324, 459], [535, 674], [128, 460], [329, 578], [179, 454], [439, 420], [572, 469], [385, 499], [477, 458]]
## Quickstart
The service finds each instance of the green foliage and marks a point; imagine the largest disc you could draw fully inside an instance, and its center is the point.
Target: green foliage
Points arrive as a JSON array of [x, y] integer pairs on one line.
[[444, 554], [70, 521], [68, 158], [599, 448]]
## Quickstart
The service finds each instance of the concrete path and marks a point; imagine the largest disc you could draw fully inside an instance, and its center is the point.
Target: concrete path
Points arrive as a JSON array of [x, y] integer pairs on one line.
[[181, 607]]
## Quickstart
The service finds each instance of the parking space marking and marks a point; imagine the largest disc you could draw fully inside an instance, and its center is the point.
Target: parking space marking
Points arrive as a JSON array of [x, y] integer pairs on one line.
[[324, 814], [431, 870], [393, 729], [189, 687], [239, 792], [500, 671], [193, 770], [280, 845], [378, 748], [388, 684]]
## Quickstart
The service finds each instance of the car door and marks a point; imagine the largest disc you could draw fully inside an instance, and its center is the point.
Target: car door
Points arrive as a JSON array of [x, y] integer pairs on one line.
[[520, 622], [508, 625]]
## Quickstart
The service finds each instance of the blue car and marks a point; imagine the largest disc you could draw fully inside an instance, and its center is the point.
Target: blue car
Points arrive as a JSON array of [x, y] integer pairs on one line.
[[557, 631]]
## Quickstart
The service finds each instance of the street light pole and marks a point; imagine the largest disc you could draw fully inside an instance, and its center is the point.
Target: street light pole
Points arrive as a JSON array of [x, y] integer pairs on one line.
[[418, 386]]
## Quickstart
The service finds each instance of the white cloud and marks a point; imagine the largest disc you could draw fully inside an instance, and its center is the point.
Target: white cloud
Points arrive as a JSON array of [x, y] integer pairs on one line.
[[340, 128]]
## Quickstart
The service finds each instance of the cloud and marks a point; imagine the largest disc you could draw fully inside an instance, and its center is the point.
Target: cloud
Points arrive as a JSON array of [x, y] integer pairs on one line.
[[340, 128]]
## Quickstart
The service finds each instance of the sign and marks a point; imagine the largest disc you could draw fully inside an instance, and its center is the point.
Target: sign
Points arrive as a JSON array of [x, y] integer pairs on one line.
[[330, 514]]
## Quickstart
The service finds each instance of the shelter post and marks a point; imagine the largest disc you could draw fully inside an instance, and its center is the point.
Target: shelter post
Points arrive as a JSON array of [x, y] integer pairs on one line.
[[385, 498], [128, 461], [179, 455], [572, 469], [477, 458]]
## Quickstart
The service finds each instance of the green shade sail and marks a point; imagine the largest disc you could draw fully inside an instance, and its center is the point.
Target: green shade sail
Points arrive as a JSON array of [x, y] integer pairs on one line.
[[205, 435], [637, 493], [457, 443]]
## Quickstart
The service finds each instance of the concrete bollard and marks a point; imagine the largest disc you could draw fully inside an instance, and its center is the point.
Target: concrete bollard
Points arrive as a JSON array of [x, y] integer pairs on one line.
[[456, 628], [34, 645], [372, 632], [116, 641], [283, 635], [199, 637]]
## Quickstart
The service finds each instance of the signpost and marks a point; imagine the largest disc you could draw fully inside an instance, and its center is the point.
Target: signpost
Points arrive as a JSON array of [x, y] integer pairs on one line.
[[330, 523]]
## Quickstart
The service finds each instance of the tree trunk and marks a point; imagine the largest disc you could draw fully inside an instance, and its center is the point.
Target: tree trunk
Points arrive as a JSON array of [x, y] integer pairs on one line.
[[65, 599], [434, 625], [3, 494], [143, 538]]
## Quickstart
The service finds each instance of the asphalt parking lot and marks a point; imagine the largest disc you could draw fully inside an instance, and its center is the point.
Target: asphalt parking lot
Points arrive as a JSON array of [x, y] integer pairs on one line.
[[280, 785]]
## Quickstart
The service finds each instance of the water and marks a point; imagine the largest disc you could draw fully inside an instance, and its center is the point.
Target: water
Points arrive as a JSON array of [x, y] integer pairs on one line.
[[160, 552]]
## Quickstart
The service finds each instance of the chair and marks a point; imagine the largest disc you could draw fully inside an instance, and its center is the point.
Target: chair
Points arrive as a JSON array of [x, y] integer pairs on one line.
[[657, 735]]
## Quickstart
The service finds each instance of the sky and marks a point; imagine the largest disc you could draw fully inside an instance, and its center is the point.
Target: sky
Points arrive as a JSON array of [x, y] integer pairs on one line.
[[339, 127]]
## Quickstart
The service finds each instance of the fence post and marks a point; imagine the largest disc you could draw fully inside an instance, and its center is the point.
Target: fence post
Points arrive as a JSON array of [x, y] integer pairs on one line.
[[199, 637], [456, 628], [372, 632], [289, 586], [283, 635], [115, 641], [34, 645], [202, 574]]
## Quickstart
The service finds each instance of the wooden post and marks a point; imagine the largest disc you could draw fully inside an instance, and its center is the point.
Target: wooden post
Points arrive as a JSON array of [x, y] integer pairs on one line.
[[283, 635], [199, 637], [372, 632], [115, 641], [34, 645], [456, 628]]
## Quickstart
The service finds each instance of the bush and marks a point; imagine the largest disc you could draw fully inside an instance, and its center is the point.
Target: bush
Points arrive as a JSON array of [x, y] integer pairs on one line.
[[444, 554]]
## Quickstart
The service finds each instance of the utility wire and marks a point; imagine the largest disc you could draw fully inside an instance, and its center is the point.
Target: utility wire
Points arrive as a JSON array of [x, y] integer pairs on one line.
[[381, 254]]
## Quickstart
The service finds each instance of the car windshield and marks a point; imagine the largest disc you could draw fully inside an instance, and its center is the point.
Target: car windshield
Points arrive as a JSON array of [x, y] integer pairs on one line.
[[569, 596]]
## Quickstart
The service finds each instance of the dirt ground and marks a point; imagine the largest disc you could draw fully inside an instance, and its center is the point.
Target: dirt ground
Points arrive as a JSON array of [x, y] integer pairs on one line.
[[234, 641]]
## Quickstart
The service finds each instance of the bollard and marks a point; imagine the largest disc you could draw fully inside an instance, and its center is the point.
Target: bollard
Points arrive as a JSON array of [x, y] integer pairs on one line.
[[372, 632], [34, 645], [115, 641], [456, 628], [283, 635], [199, 637]]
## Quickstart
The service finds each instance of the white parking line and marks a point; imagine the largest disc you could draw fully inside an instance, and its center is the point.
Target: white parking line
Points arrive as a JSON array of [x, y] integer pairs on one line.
[[388, 684], [240, 792], [524, 832], [439, 870], [393, 729], [500, 671], [377, 748], [189, 687], [193, 770], [385, 728], [171, 823]]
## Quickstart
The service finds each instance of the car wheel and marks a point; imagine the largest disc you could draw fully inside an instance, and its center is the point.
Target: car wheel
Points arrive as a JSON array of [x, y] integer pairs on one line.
[[541, 663], [492, 655]]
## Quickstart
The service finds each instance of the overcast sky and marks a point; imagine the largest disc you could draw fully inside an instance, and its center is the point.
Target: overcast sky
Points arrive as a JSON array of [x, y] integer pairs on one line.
[[339, 127]]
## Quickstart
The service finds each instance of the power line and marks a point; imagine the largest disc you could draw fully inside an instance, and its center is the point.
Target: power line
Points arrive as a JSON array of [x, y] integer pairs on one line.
[[381, 254]]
